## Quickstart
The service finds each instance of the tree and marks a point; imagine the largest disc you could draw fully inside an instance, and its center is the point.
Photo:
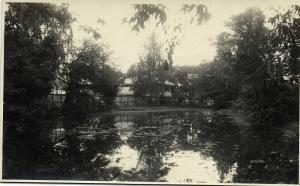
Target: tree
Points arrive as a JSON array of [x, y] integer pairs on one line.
[[92, 83], [187, 78], [261, 60], [286, 39], [198, 13], [251, 43], [207, 80], [144, 12], [152, 71], [36, 39]]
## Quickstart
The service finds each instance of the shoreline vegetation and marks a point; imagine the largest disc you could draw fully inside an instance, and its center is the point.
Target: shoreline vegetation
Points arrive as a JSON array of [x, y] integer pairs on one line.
[[154, 109], [239, 117]]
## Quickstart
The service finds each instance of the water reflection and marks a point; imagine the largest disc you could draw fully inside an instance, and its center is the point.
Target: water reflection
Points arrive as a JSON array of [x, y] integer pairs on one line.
[[183, 146]]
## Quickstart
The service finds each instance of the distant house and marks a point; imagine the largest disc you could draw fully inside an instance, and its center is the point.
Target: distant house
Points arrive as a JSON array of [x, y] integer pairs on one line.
[[168, 89], [209, 102], [191, 76], [58, 93], [125, 96], [167, 96]]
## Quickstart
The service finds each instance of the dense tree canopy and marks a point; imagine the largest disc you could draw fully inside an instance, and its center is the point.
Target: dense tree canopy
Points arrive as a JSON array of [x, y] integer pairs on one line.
[[263, 62], [92, 81], [36, 36], [36, 40], [286, 40]]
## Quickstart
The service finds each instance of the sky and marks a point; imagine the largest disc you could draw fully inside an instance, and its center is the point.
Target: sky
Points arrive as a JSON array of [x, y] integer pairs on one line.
[[196, 45]]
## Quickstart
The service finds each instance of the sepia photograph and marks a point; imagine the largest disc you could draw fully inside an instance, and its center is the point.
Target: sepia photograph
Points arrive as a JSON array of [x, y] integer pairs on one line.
[[150, 92]]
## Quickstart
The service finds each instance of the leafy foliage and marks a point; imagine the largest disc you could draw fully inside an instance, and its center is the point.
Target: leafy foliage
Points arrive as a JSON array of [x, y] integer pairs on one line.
[[152, 71], [35, 40], [286, 39], [201, 12], [90, 30], [92, 82], [158, 11], [36, 37], [144, 12], [264, 63], [193, 83]]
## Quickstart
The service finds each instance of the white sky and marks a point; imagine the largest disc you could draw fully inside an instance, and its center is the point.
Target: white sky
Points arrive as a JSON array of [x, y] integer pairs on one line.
[[126, 45]]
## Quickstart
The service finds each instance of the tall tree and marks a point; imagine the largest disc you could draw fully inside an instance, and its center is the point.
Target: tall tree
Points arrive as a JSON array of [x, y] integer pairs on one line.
[[262, 61], [152, 71], [36, 38]]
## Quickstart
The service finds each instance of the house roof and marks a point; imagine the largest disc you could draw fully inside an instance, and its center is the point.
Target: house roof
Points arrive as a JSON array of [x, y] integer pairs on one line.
[[60, 91], [128, 81], [125, 91], [167, 94], [168, 83]]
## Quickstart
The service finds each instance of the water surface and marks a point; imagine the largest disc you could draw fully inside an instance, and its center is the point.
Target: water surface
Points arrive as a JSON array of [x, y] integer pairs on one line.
[[198, 146]]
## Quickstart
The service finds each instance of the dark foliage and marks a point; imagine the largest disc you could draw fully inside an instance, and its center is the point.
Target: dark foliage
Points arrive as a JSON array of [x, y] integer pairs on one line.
[[35, 39], [92, 83]]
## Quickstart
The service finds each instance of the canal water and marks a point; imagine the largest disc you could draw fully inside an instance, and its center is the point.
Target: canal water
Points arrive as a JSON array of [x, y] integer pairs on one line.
[[189, 146]]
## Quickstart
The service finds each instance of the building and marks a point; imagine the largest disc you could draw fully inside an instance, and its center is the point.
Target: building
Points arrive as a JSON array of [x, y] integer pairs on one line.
[[58, 93], [125, 96], [167, 97]]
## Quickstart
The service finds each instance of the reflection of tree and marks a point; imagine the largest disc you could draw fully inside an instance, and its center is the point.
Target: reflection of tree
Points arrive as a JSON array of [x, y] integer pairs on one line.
[[262, 155], [83, 155], [214, 136], [153, 138], [224, 138], [257, 155], [268, 157]]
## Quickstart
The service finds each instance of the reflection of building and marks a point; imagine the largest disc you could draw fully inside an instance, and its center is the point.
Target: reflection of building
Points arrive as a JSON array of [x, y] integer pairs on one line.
[[58, 94], [57, 134], [125, 96]]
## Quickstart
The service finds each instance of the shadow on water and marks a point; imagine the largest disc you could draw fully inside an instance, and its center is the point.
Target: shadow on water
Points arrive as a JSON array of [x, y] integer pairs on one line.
[[178, 146]]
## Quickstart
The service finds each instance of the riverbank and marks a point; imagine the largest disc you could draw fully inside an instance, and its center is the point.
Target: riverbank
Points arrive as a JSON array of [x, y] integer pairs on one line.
[[289, 130], [238, 117], [152, 109]]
